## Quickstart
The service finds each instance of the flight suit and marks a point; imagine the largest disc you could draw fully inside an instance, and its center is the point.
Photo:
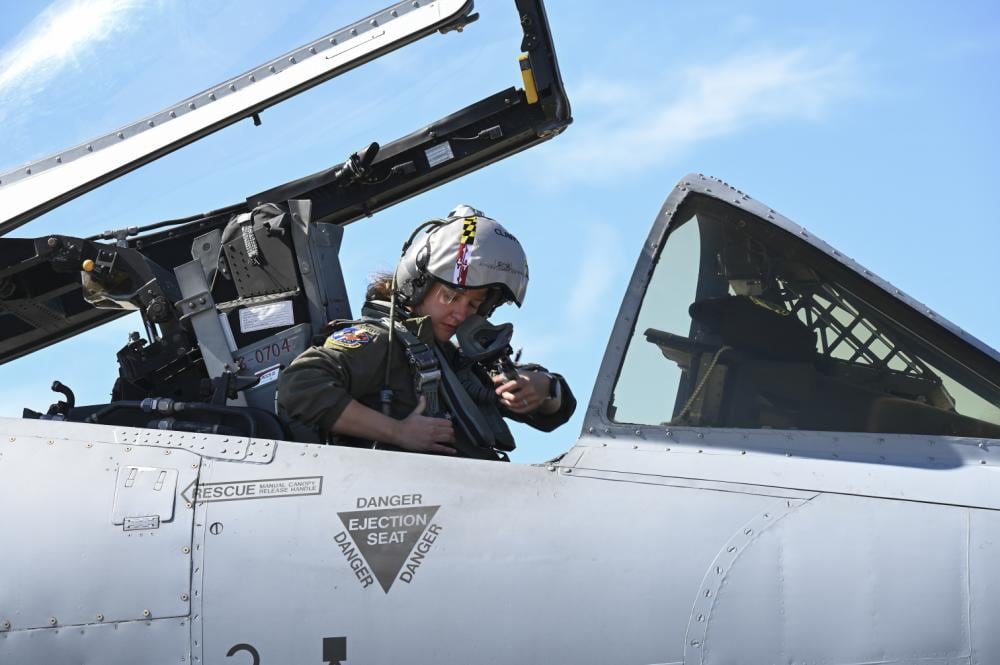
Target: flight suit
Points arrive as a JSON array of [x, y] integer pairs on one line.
[[317, 387]]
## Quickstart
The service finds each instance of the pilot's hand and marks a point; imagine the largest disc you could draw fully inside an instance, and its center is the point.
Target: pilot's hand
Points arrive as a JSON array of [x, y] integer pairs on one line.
[[525, 394], [422, 434]]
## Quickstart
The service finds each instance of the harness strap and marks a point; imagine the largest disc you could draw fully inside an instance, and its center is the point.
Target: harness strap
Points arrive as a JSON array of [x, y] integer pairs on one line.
[[427, 370], [466, 411], [441, 387]]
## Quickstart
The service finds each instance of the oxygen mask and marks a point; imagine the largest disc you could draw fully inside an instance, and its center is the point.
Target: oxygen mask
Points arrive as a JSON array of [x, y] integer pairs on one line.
[[487, 344]]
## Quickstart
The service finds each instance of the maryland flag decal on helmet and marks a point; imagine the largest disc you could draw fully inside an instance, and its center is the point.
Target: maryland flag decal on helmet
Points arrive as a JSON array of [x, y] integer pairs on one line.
[[465, 244]]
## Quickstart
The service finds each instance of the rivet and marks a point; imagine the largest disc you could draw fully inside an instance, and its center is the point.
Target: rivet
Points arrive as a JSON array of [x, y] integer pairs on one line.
[[184, 597], [100, 617], [718, 570], [731, 549], [669, 433], [982, 461], [232, 86], [638, 432], [186, 550], [312, 49], [52, 621], [292, 60], [151, 123], [354, 32], [708, 593], [194, 466], [743, 452], [51, 442], [121, 135], [590, 430], [982, 444], [701, 618], [90, 445], [695, 643], [6, 625], [128, 449], [173, 114], [552, 468], [569, 470], [166, 452], [700, 435], [273, 70], [635, 447], [374, 22], [145, 613]]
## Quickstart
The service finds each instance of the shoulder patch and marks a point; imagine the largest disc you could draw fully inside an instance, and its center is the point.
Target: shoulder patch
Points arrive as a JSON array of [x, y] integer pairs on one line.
[[348, 338]]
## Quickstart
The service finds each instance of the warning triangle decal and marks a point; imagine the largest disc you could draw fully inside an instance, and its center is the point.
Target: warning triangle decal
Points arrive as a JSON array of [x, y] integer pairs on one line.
[[386, 537]]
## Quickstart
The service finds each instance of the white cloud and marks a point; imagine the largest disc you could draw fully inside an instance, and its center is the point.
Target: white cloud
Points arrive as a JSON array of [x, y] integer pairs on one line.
[[630, 126], [58, 39]]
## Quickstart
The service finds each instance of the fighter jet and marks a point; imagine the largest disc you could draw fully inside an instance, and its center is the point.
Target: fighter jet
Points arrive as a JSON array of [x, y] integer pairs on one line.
[[784, 458]]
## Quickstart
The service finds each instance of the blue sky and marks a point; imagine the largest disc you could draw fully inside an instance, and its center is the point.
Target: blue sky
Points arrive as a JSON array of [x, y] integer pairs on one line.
[[874, 125]]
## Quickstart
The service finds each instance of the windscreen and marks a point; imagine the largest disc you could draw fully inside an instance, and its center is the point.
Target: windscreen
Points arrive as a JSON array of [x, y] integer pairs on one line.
[[745, 325]]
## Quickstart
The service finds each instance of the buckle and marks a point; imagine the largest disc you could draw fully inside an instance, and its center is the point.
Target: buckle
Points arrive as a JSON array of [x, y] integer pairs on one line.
[[424, 377]]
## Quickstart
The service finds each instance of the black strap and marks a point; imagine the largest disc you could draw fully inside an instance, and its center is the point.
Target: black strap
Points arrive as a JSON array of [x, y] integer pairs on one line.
[[438, 383], [427, 369], [465, 410]]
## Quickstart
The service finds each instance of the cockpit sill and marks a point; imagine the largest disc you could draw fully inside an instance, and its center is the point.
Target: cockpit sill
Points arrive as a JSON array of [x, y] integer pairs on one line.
[[944, 470]]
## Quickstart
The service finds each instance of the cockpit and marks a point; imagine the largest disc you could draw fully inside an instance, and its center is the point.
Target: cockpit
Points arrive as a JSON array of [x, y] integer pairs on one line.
[[745, 325]]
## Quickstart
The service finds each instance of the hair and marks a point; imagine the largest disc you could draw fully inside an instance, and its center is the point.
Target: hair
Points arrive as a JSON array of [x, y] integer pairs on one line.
[[379, 286]]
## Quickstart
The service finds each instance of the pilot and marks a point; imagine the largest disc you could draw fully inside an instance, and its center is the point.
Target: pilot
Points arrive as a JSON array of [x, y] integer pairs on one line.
[[395, 379]]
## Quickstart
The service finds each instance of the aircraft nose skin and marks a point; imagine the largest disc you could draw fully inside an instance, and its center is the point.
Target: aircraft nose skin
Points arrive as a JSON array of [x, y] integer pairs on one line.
[[844, 579]]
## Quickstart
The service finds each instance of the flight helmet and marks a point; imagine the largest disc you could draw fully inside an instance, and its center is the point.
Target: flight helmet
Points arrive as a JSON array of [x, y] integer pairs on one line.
[[468, 250]]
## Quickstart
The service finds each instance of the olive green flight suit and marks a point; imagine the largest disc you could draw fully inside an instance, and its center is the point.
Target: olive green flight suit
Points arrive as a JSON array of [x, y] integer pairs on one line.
[[317, 387]]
